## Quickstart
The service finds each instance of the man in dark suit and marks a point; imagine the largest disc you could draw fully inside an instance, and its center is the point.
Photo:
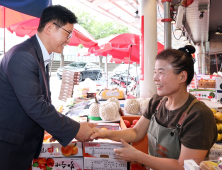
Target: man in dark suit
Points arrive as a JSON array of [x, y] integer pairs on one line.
[[25, 103]]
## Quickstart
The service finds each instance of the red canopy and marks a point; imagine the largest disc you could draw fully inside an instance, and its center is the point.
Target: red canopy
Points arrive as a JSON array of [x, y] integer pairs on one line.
[[29, 27], [10, 17], [121, 47]]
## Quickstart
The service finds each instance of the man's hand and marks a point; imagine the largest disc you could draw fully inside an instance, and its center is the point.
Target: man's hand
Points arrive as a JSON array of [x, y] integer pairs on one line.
[[85, 131]]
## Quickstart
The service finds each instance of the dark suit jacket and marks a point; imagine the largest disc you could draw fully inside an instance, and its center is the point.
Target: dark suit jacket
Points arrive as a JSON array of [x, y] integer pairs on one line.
[[24, 112]]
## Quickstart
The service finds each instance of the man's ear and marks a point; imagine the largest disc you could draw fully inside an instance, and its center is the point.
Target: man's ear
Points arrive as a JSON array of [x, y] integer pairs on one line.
[[183, 76], [48, 28]]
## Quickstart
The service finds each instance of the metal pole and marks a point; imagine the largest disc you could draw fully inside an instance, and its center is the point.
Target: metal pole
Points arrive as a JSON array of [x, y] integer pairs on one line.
[[128, 67], [167, 25], [106, 70]]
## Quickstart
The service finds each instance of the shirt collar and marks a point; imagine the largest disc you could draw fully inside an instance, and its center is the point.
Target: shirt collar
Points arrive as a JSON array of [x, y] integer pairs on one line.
[[46, 56]]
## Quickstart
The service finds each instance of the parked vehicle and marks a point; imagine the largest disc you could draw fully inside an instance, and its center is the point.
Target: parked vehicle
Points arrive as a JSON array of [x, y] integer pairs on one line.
[[86, 69], [121, 68]]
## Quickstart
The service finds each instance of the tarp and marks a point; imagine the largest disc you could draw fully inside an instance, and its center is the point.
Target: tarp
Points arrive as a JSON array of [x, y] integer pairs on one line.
[[30, 7], [29, 27]]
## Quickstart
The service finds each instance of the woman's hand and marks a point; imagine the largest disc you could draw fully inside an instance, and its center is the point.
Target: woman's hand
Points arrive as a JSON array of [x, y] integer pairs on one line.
[[98, 133], [128, 153]]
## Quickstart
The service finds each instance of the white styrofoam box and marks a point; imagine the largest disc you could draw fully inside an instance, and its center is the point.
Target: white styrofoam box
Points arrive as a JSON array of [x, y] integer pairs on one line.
[[104, 164], [101, 148], [60, 163], [190, 164], [54, 149]]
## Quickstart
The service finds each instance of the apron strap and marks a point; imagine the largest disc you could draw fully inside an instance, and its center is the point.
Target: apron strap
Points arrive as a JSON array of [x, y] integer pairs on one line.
[[183, 116], [157, 108]]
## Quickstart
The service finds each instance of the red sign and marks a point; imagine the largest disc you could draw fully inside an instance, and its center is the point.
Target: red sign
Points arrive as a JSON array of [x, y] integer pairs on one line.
[[142, 49]]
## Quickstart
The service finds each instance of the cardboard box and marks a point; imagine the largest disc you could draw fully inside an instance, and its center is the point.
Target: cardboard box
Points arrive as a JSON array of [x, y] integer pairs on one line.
[[58, 163], [206, 83], [141, 145], [215, 153], [101, 148], [109, 126], [203, 93], [70, 72], [104, 164], [54, 149]]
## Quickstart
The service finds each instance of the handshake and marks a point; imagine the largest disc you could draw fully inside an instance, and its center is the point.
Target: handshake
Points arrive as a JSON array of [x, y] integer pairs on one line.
[[87, 132]]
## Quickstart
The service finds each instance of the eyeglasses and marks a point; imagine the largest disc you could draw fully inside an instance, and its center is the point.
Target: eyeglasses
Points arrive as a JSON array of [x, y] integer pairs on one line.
[[70, 33]]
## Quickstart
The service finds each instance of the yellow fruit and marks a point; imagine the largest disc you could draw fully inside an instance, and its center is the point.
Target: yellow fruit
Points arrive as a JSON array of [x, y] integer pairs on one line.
[[219, 137], [208, 164], [214, 111], [218, 116], [218, 127]]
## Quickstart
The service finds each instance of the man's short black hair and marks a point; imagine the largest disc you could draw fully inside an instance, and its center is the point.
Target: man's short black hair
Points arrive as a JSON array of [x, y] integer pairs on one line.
[[57, 14]]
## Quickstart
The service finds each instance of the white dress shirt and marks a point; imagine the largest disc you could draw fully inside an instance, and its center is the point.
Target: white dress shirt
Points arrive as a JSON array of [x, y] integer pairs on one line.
[[46, 56]]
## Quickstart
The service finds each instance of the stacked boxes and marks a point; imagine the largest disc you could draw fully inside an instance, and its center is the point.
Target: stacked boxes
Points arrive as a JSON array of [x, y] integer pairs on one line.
[[69, 79], [99, 154], [54, 156]]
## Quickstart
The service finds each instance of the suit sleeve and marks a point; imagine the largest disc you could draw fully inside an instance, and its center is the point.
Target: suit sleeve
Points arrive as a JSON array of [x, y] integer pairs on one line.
[[23, 74]]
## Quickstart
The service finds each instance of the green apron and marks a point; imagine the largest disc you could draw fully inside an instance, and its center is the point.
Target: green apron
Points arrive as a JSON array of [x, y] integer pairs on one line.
[[164, 142]]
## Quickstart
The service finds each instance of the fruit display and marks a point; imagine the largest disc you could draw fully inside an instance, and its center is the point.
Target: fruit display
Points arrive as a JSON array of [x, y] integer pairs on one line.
[[132, 106], [113, 99], [129, 125], [107, 111], [143, 104], [211, 165], [94, 110]]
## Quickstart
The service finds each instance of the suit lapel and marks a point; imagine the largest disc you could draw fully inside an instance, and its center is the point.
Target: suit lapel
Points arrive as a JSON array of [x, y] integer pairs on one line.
[[44, 80]]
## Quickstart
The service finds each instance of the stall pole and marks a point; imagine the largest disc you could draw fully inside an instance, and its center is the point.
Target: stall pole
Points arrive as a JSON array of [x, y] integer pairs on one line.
[[167, 24], [148, 47]]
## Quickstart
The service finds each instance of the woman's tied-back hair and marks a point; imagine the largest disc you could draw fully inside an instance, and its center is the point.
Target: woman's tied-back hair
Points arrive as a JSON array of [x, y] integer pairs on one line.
[[57, 14], [180, 60]]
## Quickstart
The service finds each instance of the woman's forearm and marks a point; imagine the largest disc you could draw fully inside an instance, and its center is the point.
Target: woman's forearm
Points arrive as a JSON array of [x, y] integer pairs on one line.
[[157, 163], [129, 135]]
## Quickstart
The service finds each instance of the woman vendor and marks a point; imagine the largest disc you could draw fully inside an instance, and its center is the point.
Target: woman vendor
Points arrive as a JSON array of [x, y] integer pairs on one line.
[[179, 126]]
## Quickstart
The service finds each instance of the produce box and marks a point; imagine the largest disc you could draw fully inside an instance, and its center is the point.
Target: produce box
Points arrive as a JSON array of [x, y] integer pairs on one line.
[[206, 83], [55, 149], [101, 148], [203, 93], [58, 163], [108, 126], [104, 164], [141, 145]]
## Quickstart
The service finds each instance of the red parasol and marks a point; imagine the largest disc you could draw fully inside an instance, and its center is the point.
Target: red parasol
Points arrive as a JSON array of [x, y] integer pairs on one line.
[[9, 17], [29, 27], [121, 47]]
